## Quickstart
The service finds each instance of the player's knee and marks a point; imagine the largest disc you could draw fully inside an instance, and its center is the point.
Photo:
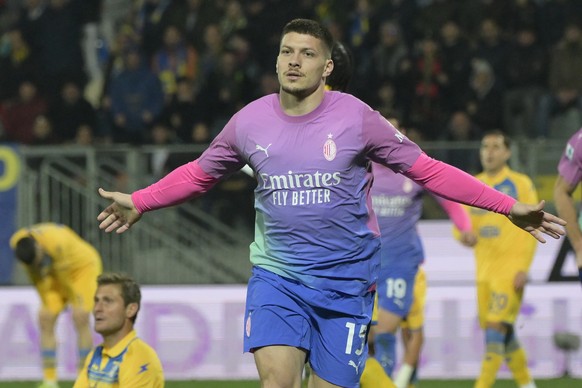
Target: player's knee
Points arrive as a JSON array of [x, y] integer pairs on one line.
[[80, 317], [46, 319]]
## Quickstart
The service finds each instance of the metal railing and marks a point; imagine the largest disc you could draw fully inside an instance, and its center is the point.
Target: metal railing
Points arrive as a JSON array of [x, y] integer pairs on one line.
[[188, 243]]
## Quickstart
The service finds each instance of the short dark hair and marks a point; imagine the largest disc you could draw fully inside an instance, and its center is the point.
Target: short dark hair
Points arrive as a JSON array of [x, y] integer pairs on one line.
[[341, 75], [130, 291], [310, 27], [498, 132], [25, 250]]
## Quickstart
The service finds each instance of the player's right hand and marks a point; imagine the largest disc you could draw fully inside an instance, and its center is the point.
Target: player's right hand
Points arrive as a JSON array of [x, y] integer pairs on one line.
[[468, 239], [120, 215]]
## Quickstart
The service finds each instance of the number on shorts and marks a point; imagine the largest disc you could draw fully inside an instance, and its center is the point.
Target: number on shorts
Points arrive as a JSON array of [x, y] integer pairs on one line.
[[395, 288], [351, 335]]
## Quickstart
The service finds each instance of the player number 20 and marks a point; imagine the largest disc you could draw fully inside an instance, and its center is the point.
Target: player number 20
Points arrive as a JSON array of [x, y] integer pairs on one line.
[[395, 288], [351, 334]]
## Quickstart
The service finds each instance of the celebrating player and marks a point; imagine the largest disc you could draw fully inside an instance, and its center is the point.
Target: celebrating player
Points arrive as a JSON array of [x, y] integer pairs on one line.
[[316, 252]]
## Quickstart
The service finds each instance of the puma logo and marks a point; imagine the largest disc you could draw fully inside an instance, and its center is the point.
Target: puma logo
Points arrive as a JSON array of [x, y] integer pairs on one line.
[[356, 366], [264, 149]]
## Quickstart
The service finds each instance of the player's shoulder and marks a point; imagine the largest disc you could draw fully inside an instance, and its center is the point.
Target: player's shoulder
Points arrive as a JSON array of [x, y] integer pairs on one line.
[[346, 100], [519, 177], [141, 351]]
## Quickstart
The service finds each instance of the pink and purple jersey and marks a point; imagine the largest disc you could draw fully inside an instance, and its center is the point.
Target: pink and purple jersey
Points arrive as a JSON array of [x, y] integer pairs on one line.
[[570, 166], [314, 219], [397, 202]]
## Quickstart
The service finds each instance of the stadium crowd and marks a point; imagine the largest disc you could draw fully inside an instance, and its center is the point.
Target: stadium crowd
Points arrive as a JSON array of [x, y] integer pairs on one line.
[[173, 71]]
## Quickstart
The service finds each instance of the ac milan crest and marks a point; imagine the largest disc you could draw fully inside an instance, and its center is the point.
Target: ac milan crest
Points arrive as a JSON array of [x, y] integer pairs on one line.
[[329, 148]]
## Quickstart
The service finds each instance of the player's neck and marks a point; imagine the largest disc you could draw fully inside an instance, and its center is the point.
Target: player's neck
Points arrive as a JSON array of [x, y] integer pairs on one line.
[[110, 340], [296, 105], [494, 172]]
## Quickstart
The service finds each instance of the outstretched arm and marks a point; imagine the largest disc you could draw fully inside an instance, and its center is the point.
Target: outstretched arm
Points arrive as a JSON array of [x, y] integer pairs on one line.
[[451, 183], [185, 182]]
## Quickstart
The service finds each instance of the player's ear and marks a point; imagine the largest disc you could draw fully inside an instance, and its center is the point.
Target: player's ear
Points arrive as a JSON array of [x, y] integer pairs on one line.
[[328, 68], [131, 310]]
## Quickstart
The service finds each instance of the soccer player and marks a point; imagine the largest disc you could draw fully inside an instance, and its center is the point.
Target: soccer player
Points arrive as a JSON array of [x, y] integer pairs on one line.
[[397, 203], [412, 333], [569, 176], [503, 257], [316, 250], [63, 267], [123, 359]]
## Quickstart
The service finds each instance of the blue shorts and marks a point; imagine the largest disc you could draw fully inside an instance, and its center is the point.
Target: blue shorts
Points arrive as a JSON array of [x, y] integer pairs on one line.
[[332, 327], [396, 288]]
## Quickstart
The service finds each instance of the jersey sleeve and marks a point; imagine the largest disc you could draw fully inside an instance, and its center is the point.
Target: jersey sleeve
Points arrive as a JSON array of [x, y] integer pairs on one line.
[[570, 165], [223, 156], [385, 145]]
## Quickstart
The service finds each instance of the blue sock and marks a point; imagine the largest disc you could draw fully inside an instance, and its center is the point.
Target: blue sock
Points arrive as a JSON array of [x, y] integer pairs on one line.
[[580, 273], [385, 347]]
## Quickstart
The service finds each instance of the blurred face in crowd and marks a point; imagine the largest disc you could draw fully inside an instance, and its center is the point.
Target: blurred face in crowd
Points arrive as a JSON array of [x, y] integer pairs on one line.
[[27, 91], [494, 153], [302, 64]]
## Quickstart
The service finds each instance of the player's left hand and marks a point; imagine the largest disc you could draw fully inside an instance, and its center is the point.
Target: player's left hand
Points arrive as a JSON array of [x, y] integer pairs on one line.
[[533, 219], [120, 215], [519, 281]]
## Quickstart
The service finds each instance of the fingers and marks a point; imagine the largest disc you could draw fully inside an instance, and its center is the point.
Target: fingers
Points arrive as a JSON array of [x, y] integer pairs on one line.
[[105, 194]]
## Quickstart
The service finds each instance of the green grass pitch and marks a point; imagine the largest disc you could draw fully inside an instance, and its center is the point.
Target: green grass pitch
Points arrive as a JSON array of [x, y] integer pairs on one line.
[[554, 383]]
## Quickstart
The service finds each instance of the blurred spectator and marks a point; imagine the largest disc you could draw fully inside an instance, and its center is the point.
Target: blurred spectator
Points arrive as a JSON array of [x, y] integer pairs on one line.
[[233, 20], [70, 113], [484, 98], [148, 23], [389, 53], [158, 164], [226, 90], [210, 54], [58, 40], [191, 17], [565, 80], [525, 82], [137, 99], [492, 48], [17, 63], [404, 12], [387, 102], [28, 20], [18, 117], [461, 128], [42, 131], [174, 59], [427, 81], [523, 13], [456, 62], [184, 113], [433, 15], [555, 16]]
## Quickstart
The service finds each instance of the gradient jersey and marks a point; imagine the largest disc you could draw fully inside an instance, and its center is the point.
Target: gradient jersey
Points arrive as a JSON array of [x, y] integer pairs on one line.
[[130, 363], [68, 255], [502, 249], [570, 166], [312, 222]]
